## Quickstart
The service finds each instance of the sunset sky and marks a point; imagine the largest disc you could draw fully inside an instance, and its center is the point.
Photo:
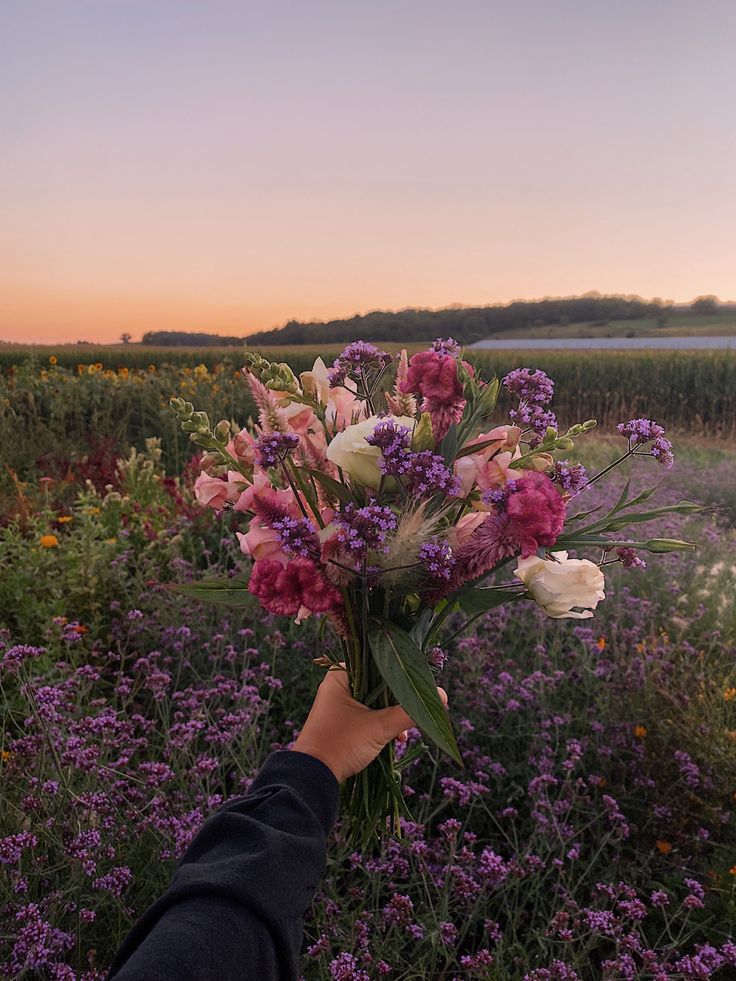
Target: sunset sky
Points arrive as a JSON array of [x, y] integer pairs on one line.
[[227, 166]]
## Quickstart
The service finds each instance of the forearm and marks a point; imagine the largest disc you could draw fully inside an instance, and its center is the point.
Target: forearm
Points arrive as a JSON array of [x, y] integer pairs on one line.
[[236, 903]]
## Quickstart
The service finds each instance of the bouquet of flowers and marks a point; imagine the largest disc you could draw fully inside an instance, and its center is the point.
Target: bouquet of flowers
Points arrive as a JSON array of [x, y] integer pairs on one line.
[[380, 497]]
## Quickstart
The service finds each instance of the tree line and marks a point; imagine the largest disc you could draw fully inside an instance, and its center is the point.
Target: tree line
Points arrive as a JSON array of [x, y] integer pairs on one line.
[[465, 324]]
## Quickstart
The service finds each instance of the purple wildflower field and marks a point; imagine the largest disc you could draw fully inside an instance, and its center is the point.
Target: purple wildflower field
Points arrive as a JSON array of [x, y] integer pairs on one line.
[[589, 836]]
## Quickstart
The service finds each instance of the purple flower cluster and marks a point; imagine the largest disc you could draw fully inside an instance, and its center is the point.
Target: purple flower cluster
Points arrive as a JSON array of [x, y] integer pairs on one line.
[[438, 560], [572, 477], [640, 431], [534, 389], [533, 386], [447, 345], [362, 529], [15, 656], [393, 441], [356, 359], [630, 558], [298, 536], [423, 472], [272, 448]]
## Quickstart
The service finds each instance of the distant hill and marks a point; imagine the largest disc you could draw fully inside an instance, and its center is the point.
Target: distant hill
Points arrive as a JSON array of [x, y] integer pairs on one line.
[[465, 324]]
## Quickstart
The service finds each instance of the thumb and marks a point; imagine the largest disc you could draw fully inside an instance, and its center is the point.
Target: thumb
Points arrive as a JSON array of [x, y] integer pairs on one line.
[[394, 720]]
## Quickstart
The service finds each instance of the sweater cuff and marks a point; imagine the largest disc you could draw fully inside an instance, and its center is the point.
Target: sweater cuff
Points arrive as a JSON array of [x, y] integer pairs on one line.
[[307, 776]]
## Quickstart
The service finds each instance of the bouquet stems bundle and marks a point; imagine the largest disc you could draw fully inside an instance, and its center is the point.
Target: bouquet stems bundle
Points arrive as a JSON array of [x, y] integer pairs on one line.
[[382, 497]]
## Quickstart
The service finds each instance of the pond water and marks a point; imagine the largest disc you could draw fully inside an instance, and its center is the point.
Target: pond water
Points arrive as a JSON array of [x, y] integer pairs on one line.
[[618, 343]]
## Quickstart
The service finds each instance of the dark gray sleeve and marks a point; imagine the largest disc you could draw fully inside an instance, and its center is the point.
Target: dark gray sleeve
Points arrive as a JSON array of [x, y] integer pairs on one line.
[[236, 903]]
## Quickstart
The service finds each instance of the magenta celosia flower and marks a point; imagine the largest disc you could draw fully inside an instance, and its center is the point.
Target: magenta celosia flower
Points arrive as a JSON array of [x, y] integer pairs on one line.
[[536, 513], [434, 376], [284, 589], [529, 513]]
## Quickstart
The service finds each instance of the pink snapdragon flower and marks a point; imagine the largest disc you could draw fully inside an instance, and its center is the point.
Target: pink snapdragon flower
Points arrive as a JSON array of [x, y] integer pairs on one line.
[[241, 446], [490, 466], [290, 589], [214, 492]]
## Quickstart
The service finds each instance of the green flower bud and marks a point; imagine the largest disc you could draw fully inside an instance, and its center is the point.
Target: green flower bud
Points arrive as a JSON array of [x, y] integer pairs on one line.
[[423, 438], [222, 431]]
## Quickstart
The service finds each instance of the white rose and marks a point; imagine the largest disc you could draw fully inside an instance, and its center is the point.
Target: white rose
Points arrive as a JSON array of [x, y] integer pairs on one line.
[[562, 585], [349, 450]]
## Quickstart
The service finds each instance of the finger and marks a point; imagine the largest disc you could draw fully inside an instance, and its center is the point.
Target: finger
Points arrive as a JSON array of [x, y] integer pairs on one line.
[[402, 736], [443, 696], [392, 721]]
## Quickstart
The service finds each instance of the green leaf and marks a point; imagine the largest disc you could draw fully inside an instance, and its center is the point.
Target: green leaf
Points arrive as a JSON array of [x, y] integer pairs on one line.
[[449, 446], [405, 670], [332, 486], [622, 499], [474, 599], [225, 592]]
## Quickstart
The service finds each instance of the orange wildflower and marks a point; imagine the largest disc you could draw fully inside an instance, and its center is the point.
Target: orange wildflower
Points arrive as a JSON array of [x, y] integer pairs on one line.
[[53, 359], [640, 731], [663, 847], [49, 541], [601, 643], [732, 870], [64, 519], [729, 694], [5, 755]]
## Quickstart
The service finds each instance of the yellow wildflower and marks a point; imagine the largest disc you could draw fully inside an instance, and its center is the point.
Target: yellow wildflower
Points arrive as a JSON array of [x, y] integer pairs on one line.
[[64, 519], [729, 694], [49, 541], [640, 731], [152, 368], [663, 847], [53, 359]]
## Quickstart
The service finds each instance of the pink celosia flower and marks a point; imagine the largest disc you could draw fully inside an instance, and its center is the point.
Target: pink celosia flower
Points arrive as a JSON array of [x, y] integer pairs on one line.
[[285, 589], [434, 376], [533, 515], [536, 513]]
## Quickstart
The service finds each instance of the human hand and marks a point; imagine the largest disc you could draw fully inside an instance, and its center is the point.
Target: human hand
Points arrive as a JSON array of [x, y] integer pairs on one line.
[[345, 735]]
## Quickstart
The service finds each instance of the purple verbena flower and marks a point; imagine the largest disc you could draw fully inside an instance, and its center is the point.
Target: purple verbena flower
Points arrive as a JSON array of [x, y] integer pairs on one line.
[[298, 536], [272, 449], [355, 360], [640, 430], [393, 441], [361, 529], [532, 386], [438, 560], [629, 558], [16, 655], [447, 345], [572, 477], [425, 473]]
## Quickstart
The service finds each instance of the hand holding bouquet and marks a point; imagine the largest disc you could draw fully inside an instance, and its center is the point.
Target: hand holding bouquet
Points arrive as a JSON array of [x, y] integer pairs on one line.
[[381, 496]]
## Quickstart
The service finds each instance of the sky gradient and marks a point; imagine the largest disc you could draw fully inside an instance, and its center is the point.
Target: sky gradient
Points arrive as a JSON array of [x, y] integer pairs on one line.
[[228, 166]]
